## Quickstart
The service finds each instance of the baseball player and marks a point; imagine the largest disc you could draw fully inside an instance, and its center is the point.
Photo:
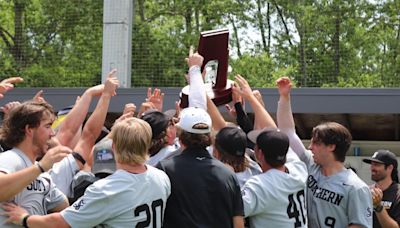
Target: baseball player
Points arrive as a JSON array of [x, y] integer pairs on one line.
[[230, 148], [134, 196], [23, 181], [336, 196], [275, 198]]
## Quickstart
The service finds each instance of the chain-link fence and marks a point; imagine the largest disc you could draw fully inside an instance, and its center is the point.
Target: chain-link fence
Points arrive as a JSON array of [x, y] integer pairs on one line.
[[58, 43]]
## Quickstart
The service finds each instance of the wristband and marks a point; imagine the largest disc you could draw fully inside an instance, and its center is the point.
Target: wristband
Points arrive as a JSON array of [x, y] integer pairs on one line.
[[79, 157], [378, 208], [40, 167], [25, 221]]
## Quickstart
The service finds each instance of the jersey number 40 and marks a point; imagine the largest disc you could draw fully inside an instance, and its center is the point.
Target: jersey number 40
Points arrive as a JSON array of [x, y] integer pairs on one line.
[[296, 208]]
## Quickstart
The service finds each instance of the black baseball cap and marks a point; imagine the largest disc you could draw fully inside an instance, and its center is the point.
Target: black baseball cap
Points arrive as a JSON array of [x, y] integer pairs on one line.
[[231, 140], [158, 121], [384, 157], [103, 158], [272, 142]]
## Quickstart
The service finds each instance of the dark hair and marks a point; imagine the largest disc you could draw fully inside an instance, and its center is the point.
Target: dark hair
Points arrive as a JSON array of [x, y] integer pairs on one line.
[[29, 113], [332, 133], [195, 140], [158, 143], [238, 163], [394, 174]]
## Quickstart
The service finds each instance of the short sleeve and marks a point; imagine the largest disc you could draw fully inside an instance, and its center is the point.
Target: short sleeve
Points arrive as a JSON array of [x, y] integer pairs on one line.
[[360, 206], [89, 210], [54, 197], [252, 201], [63, 173]]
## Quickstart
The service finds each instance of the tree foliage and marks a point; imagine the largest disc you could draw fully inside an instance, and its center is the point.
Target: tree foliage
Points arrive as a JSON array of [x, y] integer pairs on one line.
[[323, 43]]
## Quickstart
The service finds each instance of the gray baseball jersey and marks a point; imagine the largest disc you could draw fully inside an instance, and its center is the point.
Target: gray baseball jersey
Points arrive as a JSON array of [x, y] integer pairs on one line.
[[164, 153], [252, 170], [122, 200], [337, 200], [277, 199], [63, 173], [39, 196]]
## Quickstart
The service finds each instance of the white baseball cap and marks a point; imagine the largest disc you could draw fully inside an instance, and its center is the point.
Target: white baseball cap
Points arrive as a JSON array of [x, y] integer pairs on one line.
[[192, 116]]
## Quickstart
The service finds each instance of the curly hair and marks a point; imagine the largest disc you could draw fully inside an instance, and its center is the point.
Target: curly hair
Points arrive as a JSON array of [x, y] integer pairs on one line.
[[29, 113]]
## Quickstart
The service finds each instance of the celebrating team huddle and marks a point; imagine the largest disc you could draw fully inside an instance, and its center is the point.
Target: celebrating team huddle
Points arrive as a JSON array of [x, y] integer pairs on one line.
[[185, 168]]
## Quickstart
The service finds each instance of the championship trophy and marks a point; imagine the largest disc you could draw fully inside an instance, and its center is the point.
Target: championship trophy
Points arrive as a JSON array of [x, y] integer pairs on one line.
[[213, 46]]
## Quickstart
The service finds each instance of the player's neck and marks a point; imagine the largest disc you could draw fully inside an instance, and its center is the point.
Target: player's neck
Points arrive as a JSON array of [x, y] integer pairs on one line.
[[384, 184], [132, 167], [332, 168], [28, 149]]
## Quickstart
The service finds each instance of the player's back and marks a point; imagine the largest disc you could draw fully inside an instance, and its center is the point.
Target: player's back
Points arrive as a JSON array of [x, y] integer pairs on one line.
[[204, 192], [127, 200], [277, 199]]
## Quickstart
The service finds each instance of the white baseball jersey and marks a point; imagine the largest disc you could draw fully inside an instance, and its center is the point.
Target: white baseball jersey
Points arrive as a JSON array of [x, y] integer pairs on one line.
[[333, 201], [122, 200], [39, 196], [277, 199], [63, 173]]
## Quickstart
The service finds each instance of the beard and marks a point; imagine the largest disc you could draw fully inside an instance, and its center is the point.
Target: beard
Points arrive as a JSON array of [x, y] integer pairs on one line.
[[378, 177], [40, 145]]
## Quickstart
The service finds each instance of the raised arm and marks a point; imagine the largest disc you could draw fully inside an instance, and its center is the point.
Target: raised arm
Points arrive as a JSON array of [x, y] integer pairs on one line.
[[95, 122], [285, 117], [218, 121], [74, 119], [197, 91], [261, 115]]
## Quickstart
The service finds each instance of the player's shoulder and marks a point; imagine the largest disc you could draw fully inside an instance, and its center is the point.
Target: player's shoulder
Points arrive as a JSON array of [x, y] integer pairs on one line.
[[9, 154], [352, 179], [156, 172]]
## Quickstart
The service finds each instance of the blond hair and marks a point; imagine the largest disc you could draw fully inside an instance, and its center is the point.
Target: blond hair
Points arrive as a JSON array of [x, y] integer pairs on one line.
[[132, 139]]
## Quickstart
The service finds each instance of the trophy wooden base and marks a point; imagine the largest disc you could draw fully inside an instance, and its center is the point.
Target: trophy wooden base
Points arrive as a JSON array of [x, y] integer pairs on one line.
[[219, 97]]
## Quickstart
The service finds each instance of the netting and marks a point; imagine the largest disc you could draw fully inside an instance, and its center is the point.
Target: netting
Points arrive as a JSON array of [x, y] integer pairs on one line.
[[58, 43]]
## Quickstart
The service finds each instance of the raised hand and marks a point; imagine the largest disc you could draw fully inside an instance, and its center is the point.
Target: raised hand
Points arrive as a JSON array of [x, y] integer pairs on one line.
[[54, 155], [155, 97], [12, 80], [243, 89], [39, 97], [258, 96], [284, 86], [144, 107], [111, 84], [8, 84], [129, 109], [194, 59], [7, 107]]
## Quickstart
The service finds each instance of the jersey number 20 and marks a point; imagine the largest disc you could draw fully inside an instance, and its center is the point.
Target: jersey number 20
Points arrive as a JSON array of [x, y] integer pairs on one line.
[[294, 208], [145, 208]]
